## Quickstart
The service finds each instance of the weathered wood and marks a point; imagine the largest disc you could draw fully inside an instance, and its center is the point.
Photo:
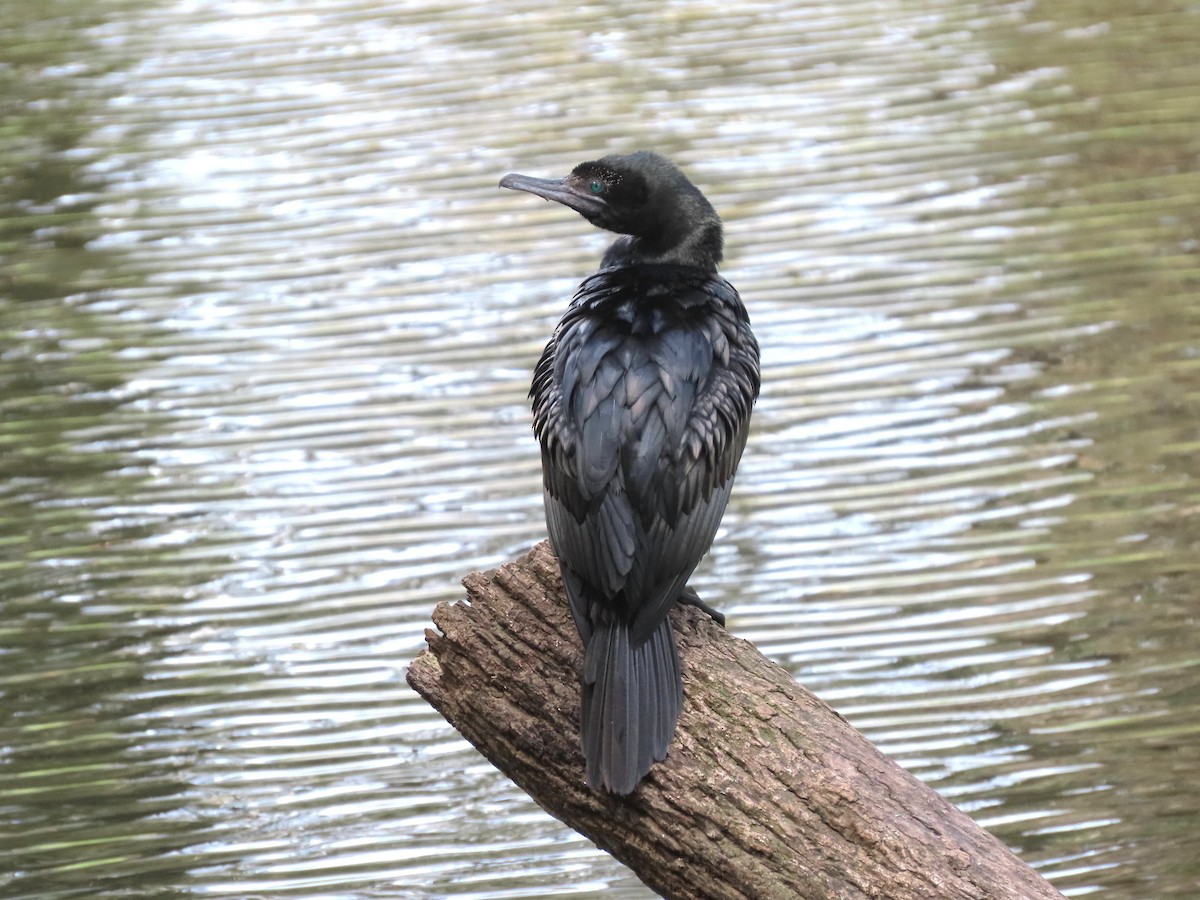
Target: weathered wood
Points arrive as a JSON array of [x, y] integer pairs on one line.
[[767, 792]]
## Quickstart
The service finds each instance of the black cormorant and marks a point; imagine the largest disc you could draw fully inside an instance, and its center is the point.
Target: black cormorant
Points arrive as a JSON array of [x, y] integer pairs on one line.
[[641, 403]]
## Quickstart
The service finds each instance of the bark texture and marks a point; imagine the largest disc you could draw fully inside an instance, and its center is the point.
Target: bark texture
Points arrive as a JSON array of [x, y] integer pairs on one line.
[[767, 792]]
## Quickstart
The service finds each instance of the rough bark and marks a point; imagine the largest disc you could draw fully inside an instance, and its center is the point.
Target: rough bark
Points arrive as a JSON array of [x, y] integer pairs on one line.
[[767, 792]]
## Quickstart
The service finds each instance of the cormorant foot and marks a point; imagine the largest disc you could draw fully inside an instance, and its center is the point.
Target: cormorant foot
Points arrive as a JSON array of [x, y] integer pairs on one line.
[[691, 598]]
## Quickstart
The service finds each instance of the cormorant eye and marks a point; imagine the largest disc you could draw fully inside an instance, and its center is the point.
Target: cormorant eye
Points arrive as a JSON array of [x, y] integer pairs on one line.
[[597, 186]]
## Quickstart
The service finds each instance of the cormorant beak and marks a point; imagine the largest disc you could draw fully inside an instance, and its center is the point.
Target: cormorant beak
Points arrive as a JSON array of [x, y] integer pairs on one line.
[[560, 190]]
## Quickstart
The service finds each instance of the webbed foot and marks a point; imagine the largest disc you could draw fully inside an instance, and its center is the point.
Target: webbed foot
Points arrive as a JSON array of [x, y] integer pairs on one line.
[[691, 598]]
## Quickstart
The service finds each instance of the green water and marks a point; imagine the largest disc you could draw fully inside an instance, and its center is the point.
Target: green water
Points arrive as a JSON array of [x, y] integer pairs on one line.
[[266, 329]]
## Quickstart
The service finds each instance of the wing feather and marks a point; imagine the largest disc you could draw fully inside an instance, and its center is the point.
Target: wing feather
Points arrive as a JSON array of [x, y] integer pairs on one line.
[[642, 403]]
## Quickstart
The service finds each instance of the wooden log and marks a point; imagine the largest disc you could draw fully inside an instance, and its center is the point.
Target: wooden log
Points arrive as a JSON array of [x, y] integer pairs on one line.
[[767, 792]]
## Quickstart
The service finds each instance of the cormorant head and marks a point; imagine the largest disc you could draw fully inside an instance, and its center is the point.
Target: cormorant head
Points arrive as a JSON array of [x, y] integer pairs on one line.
[[642, 195]]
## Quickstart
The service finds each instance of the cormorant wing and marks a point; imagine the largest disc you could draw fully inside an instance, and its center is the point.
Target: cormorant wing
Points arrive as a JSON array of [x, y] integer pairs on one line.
[[642, 403]]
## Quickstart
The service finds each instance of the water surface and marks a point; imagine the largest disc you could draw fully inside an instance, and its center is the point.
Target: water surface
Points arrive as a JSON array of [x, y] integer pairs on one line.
[[267, 330]]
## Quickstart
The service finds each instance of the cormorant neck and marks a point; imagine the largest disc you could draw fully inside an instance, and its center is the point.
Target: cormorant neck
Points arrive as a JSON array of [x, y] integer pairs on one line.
[[700, 248]]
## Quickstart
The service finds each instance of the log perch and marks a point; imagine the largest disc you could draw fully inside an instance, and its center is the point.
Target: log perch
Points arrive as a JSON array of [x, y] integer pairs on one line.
[[767, 791]]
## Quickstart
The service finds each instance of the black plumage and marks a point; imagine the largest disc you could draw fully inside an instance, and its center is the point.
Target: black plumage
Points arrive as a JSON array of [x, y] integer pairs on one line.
[[641, 403]]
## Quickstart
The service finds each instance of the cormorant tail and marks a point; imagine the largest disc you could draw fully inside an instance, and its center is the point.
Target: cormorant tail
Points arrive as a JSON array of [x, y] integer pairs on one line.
[[631, 701]]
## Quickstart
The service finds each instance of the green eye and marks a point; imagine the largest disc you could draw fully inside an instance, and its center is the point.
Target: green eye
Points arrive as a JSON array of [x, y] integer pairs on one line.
[[596, 187]]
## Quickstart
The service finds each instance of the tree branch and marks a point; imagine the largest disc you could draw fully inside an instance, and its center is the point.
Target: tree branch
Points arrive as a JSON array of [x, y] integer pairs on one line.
[[767, 792]]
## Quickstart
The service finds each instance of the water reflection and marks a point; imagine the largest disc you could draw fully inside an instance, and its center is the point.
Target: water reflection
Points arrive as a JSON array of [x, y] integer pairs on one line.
[[269, 332], [89, 562]]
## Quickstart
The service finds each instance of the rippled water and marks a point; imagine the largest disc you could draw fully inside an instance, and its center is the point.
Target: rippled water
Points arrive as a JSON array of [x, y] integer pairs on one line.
[[267, 328]]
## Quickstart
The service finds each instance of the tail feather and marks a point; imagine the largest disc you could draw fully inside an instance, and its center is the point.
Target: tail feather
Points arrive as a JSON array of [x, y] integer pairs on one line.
[[631, 701]]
